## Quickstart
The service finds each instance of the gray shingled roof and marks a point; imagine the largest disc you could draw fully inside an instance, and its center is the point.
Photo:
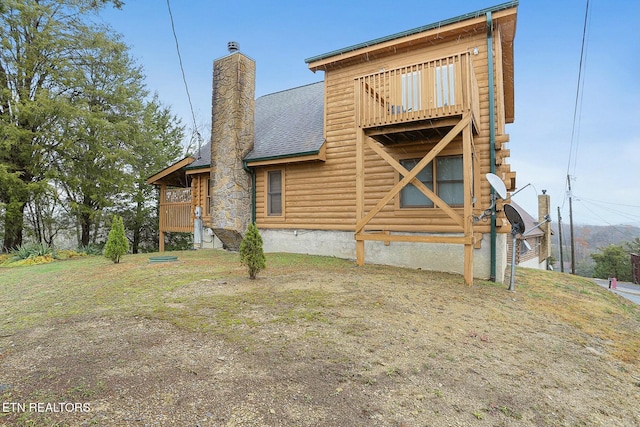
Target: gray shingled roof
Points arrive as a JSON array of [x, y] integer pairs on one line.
[[287, 124]]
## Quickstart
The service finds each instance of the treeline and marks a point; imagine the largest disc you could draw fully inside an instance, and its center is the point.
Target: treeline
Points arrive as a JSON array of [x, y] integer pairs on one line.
[[79, 131], [592, 242]]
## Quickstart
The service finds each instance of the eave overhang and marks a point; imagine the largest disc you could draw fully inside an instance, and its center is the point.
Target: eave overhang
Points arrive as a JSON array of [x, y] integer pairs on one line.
[[310, 156], [173, 176]]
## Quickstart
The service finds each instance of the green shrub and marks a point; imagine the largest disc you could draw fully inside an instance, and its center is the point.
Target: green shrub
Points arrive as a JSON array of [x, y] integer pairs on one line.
[[34, 260], [251, 253], [69, 253], [117, 243], [92, 249], [32, 250]]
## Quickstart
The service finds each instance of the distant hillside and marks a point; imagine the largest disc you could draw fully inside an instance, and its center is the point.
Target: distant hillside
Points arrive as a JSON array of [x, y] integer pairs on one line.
[[588, 240]]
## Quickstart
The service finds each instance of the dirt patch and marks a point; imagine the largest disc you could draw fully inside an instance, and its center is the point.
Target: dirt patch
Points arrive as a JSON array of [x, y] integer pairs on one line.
[[366, 347]]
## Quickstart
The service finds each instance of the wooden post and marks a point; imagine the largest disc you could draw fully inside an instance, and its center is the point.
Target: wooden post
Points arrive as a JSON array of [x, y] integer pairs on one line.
[[161, 241], [162, 216], [467, 165], [359, 192]]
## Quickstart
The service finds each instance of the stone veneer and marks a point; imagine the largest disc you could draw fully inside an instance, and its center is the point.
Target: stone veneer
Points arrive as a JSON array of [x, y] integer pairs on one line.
[[232, 134]]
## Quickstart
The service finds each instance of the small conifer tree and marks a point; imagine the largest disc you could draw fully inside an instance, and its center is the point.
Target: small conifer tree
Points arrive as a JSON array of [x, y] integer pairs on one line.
[[117, 243], [251, 253]]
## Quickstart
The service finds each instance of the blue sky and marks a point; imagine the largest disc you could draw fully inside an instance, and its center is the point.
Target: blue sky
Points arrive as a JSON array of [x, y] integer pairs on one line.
[[603, 157]]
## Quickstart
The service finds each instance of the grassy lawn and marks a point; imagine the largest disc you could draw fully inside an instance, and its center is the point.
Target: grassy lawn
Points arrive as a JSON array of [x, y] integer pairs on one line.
[[401, 346], [94, 286]]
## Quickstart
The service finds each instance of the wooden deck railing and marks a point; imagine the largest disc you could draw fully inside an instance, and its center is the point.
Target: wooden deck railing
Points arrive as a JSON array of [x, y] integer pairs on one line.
[[435, 89], [175, 210]]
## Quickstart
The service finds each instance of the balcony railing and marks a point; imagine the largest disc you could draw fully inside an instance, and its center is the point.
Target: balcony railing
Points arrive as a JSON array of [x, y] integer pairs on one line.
[[436, 89], [175, 210]]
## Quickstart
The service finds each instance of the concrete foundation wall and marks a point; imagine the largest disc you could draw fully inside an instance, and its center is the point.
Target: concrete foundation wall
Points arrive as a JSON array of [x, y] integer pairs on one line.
[[428, 256]]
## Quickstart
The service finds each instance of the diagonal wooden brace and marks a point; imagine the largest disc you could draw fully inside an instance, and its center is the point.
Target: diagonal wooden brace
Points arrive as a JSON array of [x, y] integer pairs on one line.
[[409, 176]]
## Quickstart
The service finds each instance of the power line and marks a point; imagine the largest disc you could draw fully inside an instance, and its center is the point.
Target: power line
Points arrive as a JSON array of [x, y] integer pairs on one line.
[[615, 227], [573, 153], [609, 203], [575, 116], [605, 207], [184, 78]]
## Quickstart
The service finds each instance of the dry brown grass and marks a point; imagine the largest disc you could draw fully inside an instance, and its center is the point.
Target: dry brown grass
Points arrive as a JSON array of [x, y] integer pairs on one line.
[[313, 341]]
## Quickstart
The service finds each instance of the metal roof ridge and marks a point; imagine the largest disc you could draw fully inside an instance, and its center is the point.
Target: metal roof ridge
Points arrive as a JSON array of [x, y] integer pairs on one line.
[[476, 14]]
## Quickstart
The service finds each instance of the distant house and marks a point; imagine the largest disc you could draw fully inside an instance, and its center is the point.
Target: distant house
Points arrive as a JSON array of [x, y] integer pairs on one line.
[[383, 162], [534, 246]]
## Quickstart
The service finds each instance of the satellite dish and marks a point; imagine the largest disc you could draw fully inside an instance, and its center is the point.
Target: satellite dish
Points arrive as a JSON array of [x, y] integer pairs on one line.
[[517, 224], [501, 192], [497, 185]]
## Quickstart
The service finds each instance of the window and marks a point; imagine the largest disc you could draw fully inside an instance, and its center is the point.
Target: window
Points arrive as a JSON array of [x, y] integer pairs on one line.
[[410, 196], [445, 78], [207, 208], [412, 91], [450, 179], [448, 183], [274, 193]]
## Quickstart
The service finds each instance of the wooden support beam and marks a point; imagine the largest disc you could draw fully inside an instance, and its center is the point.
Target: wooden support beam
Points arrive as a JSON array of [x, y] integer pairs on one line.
[[435, 123], [161, 242], [467, 161], [409, 177], [162, 217], [432, 238], [419, 185], [359, 191]]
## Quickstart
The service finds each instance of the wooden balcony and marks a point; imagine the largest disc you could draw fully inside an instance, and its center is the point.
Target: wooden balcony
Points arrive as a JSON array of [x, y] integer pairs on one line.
[[175, 210], [404, 103]]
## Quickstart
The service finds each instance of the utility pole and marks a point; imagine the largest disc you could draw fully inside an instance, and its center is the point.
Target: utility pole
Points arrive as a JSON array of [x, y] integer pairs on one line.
[[560, 240], [573, 252]]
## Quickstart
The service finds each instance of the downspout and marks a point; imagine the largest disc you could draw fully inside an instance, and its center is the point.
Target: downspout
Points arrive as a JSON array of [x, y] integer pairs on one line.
[[251, 172], [492, 140]]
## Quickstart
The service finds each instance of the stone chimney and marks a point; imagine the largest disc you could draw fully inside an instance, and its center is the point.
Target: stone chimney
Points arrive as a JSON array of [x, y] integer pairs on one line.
[[232, 134], [544, 203]]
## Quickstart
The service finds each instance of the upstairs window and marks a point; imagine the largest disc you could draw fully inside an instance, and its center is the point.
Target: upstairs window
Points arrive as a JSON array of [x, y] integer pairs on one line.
[[412, 91], [448, 183], [274, 193], [444, 80]]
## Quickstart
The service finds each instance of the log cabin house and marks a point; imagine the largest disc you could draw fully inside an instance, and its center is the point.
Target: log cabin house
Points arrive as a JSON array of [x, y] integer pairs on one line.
[[383, 161]]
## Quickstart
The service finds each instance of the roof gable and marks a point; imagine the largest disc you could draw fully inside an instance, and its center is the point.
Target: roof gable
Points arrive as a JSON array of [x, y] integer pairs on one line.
[[322, 61]]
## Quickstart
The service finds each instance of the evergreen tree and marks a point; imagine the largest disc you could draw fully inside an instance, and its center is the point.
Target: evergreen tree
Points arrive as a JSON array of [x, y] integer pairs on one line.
[[632, 247], [612, 262], [117, 243], [155, 143], [41, 44], [251, 253], [96, 131]]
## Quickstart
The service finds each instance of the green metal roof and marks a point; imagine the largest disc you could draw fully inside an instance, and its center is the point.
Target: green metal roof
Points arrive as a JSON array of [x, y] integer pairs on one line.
[[438, 24]]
